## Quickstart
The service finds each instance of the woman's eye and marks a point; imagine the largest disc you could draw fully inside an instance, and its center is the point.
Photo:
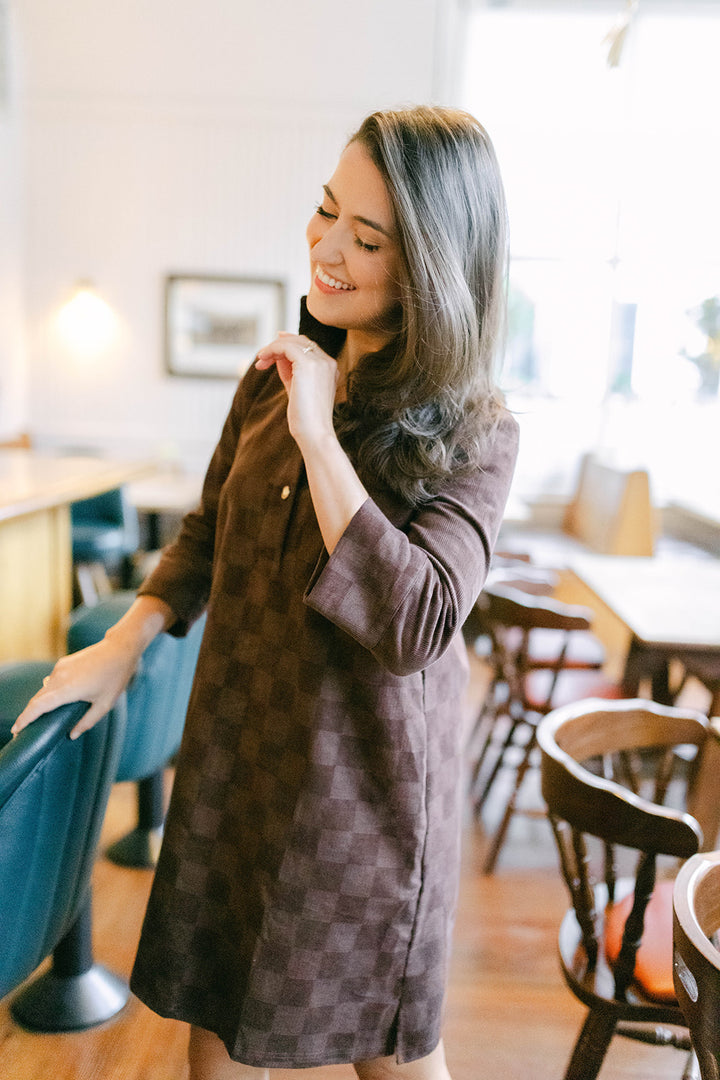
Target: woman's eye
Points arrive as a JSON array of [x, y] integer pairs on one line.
[[324, 213], [366, 247]]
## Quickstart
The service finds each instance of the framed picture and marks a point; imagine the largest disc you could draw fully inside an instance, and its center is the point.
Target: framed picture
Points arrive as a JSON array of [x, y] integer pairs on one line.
[[214, 325]]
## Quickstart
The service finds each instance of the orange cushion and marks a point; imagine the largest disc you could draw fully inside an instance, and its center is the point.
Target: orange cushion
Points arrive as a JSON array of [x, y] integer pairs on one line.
[[654, 961]]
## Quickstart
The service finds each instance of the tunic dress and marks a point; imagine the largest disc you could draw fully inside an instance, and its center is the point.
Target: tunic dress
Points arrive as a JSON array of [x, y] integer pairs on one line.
[[304, 896]]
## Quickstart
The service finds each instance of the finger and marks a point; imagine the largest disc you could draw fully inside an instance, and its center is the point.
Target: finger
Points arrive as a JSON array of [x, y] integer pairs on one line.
[[42, 702], [91, 717], [35, 707]]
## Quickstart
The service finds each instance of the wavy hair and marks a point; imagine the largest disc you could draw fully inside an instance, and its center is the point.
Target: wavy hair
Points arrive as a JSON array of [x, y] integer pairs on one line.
[[424, 407]]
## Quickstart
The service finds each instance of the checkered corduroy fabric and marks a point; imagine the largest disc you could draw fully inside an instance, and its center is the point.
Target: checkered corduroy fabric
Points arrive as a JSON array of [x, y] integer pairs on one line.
[[303, 902]]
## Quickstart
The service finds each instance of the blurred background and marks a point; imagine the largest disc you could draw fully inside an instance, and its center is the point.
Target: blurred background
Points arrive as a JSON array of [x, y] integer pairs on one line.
[[163, 137]]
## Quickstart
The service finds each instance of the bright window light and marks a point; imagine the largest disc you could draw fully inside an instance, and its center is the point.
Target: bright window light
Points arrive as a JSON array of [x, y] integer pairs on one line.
[[612, 183]]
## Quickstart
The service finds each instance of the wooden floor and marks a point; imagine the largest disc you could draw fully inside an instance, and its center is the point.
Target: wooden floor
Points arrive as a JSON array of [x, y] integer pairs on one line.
[[508, 1017]]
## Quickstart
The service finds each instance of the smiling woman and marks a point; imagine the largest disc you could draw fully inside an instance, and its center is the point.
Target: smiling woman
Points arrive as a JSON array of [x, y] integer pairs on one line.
[[355, 256], [305, 892]]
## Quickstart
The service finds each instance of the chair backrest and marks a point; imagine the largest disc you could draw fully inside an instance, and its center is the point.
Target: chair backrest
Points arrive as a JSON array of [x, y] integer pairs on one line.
[[611, 510], [696, 902], [110, 509], [509, 616], [53, 795], [158, 694], [618, 771], [509, 603]]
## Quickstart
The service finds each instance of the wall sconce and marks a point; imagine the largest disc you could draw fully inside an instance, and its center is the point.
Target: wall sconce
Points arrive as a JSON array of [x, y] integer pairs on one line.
[[86, 322]]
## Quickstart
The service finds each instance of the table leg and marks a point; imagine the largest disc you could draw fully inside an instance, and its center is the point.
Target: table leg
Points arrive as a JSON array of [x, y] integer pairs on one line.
[[644, 662]]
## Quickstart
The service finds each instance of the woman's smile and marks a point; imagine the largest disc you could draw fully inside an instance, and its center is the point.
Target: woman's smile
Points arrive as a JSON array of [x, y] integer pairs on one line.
[[325, 281]]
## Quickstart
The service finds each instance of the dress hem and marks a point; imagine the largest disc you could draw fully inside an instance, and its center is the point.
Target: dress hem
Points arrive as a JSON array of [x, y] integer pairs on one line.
[[290, 1061]]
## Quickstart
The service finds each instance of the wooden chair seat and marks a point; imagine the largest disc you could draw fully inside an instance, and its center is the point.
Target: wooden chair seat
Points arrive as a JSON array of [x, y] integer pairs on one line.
[[626, 798], [653, 974], [588, 983]]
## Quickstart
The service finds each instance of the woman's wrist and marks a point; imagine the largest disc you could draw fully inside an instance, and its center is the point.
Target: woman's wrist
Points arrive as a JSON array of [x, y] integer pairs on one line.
[[140, 625]]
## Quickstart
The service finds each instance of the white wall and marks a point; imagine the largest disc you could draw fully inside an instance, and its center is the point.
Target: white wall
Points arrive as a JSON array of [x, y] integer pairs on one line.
[[12, 351], [169, 136]]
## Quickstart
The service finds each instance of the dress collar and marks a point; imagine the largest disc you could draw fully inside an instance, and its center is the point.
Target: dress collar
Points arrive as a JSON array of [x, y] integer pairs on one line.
[[329, 338]]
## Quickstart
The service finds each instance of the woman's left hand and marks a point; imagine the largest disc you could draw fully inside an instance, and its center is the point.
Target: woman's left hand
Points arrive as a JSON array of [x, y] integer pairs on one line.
[[310, 377]]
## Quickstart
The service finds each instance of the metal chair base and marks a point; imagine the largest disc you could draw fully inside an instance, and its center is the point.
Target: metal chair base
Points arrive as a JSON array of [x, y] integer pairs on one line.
[[54, 1003]]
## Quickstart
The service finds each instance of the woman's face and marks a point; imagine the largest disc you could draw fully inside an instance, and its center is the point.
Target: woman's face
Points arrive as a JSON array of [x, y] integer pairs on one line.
[[354, 252]]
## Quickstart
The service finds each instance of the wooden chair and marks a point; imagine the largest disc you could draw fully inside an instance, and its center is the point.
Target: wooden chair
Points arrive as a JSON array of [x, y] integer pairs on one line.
[[630, 788], [610, 512], [696, 901], [542, 654]]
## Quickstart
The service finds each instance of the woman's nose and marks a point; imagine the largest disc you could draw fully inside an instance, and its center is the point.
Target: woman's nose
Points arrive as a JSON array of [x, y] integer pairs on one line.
[[328, 248]]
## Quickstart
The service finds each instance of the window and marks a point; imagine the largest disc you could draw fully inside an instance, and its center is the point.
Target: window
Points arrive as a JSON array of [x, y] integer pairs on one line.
[[612, 183]]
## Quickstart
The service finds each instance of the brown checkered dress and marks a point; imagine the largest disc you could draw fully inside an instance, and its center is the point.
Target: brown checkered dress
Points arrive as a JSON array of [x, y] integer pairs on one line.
[[304, 898]]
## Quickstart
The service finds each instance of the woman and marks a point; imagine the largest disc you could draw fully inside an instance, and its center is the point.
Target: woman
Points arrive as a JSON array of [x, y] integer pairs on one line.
[[303, 902]]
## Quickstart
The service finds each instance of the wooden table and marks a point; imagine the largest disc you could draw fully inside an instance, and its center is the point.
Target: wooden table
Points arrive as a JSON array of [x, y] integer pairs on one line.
[[36, 491], [670, 607]]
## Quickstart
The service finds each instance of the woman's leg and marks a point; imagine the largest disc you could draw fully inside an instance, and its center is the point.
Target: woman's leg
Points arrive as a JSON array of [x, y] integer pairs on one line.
[[432, 1067], [209, 1060]]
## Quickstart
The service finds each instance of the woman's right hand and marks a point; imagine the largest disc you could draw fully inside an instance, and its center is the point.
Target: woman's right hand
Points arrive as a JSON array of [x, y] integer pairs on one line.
[[100, 673], [97, 674]]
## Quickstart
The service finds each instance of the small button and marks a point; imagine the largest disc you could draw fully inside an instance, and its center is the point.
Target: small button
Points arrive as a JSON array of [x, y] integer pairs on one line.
[[285, 492]]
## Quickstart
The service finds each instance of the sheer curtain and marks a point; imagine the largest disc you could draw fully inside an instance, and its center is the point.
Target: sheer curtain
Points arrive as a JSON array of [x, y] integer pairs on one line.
[[613, 182]]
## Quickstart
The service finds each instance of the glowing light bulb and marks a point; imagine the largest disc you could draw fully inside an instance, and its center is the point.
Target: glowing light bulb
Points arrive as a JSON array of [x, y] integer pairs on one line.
[[86, 323]]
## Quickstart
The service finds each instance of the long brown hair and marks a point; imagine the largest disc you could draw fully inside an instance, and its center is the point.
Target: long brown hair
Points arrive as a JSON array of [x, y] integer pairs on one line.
[[423, 408]]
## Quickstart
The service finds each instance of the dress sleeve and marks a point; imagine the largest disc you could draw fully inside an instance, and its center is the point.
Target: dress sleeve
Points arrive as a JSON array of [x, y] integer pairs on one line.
[[405, 593], [183, 576]]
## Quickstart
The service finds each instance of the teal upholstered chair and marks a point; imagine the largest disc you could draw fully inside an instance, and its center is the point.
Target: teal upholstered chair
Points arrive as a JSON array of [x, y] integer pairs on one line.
[[157, 700], [53, 795], [105, 536]]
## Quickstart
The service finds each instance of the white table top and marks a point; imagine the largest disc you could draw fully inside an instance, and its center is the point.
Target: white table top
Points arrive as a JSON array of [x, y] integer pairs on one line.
[[167, 491], [662, 600], [32, 481]]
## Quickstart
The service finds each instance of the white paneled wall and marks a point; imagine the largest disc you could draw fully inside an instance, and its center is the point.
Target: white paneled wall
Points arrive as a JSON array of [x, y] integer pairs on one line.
[[12, 351], [165, 136]]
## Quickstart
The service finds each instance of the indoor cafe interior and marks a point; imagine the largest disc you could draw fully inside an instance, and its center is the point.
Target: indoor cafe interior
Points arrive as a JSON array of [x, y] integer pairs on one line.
[[158, 164]]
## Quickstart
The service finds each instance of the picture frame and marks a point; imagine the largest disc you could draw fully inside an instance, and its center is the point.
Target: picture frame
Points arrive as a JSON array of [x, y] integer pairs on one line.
[[215, 324]]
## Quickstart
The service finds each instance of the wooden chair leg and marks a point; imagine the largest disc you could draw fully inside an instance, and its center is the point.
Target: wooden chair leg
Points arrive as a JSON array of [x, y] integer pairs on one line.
[[484, 726], [501, 832], [591, 1046], [508, 743]]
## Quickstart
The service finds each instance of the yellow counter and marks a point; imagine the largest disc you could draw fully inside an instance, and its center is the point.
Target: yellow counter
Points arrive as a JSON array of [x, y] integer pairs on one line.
[[36, 491]]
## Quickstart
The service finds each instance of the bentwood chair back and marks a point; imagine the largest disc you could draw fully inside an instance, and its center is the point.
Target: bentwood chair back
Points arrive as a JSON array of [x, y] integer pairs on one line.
[[53, 795], [631, 791], [697, 957]]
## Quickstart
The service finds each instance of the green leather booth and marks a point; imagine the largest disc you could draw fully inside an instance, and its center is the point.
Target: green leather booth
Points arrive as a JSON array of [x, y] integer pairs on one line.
[[53, 795]]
